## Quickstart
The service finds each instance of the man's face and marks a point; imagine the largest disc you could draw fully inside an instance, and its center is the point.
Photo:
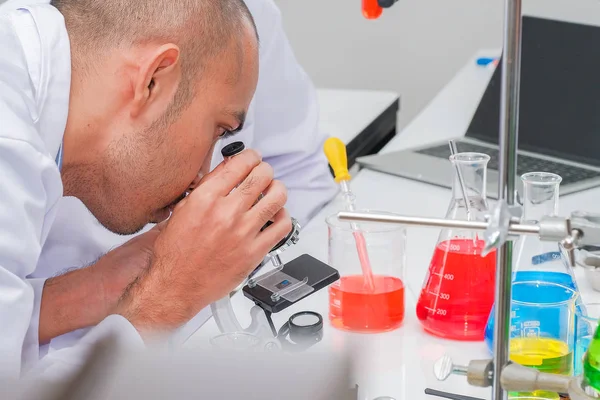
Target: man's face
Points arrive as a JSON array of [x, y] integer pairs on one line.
[[142, 172]]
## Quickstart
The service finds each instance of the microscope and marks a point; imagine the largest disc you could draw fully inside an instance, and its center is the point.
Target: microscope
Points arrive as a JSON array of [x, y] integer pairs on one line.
[[274, 291]]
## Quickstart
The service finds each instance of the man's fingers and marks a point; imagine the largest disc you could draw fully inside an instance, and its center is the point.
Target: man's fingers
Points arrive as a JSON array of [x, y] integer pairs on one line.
[[227, 175], [274, 199], [279, 229], [251, 188]]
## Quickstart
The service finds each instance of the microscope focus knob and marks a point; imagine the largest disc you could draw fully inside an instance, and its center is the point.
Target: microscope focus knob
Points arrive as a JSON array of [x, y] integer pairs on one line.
[[290, 240]]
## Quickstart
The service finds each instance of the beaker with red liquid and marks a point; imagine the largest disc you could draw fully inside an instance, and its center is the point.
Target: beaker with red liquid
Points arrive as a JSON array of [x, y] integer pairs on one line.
[[458, 292], [355, 303]]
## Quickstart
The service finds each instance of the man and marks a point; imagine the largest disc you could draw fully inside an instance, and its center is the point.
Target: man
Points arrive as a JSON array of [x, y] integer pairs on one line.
[[153, 86], [281, 123]]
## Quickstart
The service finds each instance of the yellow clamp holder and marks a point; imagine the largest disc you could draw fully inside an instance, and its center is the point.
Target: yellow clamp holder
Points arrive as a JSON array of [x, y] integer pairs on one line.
[[335, 151]]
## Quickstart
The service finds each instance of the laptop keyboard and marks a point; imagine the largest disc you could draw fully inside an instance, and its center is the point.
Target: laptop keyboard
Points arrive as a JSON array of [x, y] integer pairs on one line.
[[525, 163]]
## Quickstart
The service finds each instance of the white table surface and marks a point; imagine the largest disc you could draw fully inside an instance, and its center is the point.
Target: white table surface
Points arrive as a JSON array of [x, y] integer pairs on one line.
[[399, 363], [346, 113]]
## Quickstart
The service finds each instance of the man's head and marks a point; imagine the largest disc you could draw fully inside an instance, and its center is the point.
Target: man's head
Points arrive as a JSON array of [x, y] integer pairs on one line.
[[155, 84]]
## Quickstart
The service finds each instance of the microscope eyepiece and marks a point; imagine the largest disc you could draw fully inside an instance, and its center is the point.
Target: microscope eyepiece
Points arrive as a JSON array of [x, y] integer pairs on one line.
[[232, 149]]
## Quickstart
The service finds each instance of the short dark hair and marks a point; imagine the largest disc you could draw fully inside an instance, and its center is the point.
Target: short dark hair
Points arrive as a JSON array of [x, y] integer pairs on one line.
[[201, 28]]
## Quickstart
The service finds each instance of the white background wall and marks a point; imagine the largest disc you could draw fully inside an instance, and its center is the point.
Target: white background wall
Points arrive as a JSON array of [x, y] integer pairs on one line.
[[414, 48]]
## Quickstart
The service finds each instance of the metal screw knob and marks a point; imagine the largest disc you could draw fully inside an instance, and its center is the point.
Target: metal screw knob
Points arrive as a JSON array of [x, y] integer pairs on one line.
[[499, 222], [570, 243], [444, 367], [497, 230]]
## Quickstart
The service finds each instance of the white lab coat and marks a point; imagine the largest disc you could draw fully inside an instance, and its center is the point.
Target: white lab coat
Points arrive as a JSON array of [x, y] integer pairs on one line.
[[35, 71], [43, 233]]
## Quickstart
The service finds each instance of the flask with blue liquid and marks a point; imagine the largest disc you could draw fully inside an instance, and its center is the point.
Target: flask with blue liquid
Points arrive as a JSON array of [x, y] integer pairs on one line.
[[535, 260]]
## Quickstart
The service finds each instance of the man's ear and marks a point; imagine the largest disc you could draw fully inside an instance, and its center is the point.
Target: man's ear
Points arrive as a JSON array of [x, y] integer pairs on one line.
[[157, 80]]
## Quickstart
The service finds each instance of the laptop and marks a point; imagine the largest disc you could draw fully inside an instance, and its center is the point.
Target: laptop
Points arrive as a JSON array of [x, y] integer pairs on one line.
[[559, 118]]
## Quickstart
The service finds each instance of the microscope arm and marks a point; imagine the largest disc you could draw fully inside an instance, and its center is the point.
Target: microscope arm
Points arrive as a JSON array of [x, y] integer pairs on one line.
[[224, 316]]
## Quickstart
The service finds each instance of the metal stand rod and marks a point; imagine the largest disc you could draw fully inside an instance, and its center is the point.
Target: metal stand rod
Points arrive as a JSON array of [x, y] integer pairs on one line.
[[509, 124], [514, 228]]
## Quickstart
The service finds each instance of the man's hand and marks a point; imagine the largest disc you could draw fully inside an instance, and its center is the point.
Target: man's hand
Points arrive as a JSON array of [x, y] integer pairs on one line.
[[210, 244], [84, 297]]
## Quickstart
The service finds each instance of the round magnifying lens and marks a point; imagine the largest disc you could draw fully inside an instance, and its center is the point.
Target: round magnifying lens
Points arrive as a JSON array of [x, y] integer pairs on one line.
[[306, 326], [237, 341], [306, 319]]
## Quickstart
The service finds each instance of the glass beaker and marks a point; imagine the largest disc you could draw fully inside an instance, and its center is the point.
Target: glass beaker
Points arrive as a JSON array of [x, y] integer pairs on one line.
[[542, 326], [458, 292], [538, 260], [586, 316], [591, 365], [354, 305]]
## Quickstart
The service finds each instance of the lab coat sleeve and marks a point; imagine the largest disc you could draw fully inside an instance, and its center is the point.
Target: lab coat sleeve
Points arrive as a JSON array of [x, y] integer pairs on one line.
[[62, 363], [31, 343], [286, 122], [23, 207], [31, 188]]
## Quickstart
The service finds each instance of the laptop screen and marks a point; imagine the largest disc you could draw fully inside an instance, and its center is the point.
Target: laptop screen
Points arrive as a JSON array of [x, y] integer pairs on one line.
[[559, 95]]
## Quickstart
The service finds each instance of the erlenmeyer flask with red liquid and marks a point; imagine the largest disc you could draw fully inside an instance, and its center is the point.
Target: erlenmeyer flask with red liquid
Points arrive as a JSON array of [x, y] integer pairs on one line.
[[458, 292]]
